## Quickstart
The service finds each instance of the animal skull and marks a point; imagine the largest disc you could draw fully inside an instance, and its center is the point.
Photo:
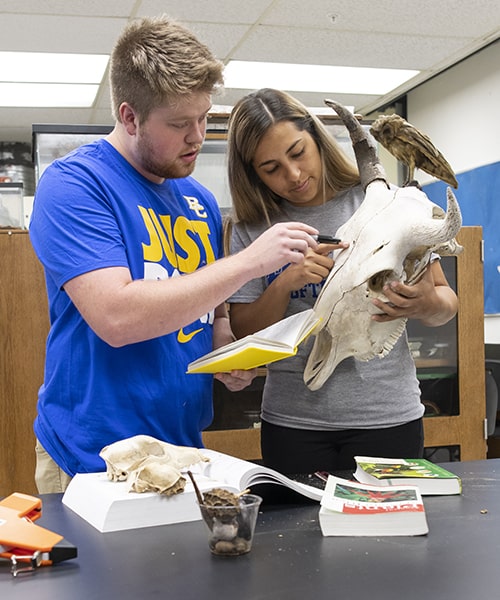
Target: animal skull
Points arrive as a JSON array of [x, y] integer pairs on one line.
[[156, 476], [149, 463], [392, 236]]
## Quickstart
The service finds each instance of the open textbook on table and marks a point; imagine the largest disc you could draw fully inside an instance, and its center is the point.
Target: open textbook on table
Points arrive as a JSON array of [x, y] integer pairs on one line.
[[109, 506]]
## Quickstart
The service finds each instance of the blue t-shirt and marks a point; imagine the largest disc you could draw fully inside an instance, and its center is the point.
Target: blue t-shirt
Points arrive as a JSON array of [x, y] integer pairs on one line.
[[93, 210]]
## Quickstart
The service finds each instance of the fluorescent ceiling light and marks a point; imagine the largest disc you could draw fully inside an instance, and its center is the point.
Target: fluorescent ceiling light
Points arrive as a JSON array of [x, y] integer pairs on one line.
[[314, 78], [46, 67], [57, 95], [43, 79]]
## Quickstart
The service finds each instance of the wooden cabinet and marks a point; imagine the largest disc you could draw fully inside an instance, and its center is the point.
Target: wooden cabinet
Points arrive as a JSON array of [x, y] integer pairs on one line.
[[24, 326], [466, 429]]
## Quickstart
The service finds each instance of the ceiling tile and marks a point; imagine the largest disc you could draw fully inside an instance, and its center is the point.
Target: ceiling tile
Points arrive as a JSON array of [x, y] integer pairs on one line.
[[427, 35]]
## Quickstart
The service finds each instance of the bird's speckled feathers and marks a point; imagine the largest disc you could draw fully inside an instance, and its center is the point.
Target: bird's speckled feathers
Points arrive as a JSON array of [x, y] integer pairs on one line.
[[412, 147]]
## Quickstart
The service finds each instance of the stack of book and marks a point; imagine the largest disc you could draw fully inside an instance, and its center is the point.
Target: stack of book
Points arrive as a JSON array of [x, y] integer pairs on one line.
[[355, 509], [386, 499]]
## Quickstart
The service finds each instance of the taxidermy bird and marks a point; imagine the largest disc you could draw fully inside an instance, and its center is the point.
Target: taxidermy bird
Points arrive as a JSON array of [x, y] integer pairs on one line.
[[412, 147]]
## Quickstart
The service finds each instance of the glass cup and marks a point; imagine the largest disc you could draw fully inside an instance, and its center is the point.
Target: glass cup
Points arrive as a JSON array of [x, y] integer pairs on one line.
[[231, 528]]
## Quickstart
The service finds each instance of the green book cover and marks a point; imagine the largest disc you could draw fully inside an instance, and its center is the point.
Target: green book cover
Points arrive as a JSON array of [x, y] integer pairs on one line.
[[432, 479], [393, 468]]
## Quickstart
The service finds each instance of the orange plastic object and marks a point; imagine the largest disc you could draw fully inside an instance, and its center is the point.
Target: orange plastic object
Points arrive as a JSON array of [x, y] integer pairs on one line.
[[17, 529]]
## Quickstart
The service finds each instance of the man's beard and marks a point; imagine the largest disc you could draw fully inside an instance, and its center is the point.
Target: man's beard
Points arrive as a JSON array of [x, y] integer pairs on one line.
[[171, 170]]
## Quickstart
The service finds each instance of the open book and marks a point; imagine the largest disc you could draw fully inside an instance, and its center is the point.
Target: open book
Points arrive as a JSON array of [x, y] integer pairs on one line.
[[268, 345], [241, 474], [109, 506], [430, 478], [356, 509]]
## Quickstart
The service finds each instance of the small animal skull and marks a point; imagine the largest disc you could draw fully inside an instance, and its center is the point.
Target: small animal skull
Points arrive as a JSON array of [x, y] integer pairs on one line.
[[125, 456], [156, 476]]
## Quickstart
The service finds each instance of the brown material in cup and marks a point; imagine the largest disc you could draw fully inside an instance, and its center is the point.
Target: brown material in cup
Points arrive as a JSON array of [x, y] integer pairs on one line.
[[231, 528]]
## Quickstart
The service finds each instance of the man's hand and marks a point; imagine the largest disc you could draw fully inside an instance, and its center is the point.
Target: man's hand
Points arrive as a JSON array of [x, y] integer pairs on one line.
[[280, 244], [236, 380]]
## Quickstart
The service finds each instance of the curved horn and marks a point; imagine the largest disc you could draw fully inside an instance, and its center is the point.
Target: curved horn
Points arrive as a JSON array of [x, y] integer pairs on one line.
[[440, 230], [453, 219], [365, 149]]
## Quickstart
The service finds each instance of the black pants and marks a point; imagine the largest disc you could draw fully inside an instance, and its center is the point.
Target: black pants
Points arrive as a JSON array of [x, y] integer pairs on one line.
[[305, 451]]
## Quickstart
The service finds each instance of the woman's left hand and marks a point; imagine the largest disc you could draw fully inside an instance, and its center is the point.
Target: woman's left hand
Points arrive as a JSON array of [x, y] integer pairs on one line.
[[409, 301], [430, 299]]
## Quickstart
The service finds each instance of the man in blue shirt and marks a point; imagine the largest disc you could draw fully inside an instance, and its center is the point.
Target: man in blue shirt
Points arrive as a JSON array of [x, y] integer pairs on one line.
[[133, 256]]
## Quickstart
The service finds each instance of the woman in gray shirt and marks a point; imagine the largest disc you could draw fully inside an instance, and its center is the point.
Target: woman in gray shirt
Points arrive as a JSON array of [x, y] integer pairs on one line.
[[285, 166]]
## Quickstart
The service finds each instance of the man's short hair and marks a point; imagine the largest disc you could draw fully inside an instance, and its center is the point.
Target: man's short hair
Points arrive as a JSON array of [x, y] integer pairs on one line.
[[156, 60]]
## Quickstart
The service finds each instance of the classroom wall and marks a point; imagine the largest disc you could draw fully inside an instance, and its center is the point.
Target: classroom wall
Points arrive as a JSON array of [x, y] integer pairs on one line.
[[458, 110]]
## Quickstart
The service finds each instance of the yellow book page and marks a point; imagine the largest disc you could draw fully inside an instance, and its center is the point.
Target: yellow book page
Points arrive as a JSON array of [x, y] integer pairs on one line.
[[273, 343], [246, 358]]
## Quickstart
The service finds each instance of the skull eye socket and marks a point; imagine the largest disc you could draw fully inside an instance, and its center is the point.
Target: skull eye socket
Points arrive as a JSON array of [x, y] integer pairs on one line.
[[376, 282]]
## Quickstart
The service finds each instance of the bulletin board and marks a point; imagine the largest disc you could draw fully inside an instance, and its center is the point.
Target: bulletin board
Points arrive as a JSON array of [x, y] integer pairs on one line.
[[478, 195]]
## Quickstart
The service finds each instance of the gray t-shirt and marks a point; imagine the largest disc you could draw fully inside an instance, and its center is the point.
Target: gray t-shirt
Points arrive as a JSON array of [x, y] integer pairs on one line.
[[366, 395]]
